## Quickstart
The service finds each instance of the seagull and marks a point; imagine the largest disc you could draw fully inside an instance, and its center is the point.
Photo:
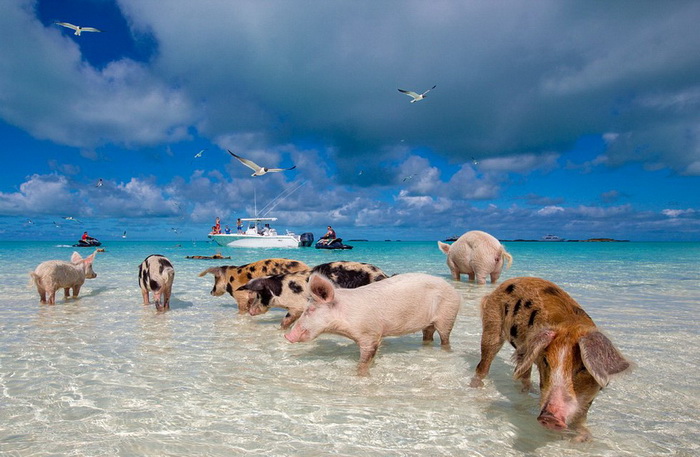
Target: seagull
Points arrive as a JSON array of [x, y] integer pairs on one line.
[[416, 97], [124, 235], [78, 29], [99, 183], [71, 218], [474, 161], [199, 154], [30, 222], [408, 177], [259, 171]]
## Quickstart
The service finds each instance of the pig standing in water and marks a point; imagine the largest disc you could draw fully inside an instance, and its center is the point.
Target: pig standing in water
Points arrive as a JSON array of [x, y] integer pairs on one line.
[[156, 274], [476, 254], [548, 328], [395, 306], [53, 275]]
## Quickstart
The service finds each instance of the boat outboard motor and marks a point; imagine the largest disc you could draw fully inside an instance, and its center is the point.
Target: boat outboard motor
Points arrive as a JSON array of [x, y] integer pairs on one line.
[[306, 239]]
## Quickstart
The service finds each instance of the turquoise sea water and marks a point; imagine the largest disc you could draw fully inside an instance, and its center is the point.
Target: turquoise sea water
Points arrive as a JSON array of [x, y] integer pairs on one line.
[[106, 375]]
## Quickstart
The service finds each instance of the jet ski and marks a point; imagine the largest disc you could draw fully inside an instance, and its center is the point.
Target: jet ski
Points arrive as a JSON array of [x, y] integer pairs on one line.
[[335, 243], [89, 243]]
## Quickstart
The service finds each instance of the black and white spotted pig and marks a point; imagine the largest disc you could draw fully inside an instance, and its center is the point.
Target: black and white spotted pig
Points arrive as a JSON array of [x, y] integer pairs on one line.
[[290, 291], [229, 278], [156, 274]]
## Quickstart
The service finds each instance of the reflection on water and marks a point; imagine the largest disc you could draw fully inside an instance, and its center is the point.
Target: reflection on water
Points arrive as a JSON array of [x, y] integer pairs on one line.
[[105, 374]]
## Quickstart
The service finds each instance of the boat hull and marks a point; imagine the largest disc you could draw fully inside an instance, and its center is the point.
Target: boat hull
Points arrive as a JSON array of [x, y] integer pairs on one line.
[[255, 241]]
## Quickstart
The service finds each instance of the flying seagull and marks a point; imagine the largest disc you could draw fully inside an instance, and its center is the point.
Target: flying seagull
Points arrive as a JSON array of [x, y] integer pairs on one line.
[[124, 235], [99, 183], [416, 97], [199, 154], [71, 218], [78, 29], [409, 177], [259, 171]]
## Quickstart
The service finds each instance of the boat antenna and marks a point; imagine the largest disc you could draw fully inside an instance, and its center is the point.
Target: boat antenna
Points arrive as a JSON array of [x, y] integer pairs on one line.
[[255, 200], [281, 196]]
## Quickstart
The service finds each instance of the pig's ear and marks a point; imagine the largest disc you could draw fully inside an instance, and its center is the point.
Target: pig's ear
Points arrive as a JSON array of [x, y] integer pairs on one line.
[[212, 270], [90, 258], [444, 247], [535, 346], [601, 358], [76, 257], [321, 288]]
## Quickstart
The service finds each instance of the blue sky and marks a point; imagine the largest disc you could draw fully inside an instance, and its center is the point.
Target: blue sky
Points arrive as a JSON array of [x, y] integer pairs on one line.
[[580, 119]]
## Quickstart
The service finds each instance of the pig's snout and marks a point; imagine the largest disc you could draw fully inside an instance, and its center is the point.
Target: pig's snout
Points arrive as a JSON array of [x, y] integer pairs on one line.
[[297, 336], [550, 421]]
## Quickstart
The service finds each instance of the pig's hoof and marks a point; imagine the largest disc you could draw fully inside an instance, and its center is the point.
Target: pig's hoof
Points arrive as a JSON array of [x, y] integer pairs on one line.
[[476, 382]]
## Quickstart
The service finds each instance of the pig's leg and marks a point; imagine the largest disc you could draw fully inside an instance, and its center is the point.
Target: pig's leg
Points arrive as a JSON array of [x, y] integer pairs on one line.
[[428, 333], [494, 276], [290, 318], [471, 276], [52, 297], [578, 425], [66, 292], [42, 292], [526, 380], [144, 294], [166, 298], [368, 350], [491, 342], [76, 291], [241, 297], [444, 328], [481, 278], [455, 274]]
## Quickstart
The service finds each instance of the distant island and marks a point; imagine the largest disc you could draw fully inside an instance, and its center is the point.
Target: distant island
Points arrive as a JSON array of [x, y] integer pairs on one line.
[[589, 240]]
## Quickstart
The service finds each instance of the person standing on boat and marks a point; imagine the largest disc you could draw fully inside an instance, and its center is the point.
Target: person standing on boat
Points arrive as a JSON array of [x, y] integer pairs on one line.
[[239, 225], [217, 226]]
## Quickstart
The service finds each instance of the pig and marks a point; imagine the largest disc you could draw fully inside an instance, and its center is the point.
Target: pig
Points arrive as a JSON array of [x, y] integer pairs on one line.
[[549, 329], [290, 291], [476, 254], [53, 275], [399, 305], [229, 278], [156, 274]]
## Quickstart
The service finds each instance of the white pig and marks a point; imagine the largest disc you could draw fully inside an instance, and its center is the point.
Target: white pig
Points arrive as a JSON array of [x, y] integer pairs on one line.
[[399, 305], [53, 275], [476, 254]]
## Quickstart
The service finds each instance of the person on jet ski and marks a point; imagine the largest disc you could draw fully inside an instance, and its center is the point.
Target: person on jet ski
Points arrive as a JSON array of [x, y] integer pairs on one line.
[[329, 236]]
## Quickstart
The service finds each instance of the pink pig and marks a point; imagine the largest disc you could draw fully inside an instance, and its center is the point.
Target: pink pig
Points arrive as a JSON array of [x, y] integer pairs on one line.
[[476, 254], [53, 275], [398, 305]]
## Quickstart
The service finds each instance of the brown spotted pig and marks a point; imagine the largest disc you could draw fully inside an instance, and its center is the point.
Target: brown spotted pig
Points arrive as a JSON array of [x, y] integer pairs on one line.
[[290, 291], [229, 278], [549, 329]]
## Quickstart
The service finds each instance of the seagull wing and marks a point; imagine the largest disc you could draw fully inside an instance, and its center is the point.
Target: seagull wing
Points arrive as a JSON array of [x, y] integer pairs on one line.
[[272, 170], [90, 29], [67, 24], [429, 89], [410, 93], [248, 163]]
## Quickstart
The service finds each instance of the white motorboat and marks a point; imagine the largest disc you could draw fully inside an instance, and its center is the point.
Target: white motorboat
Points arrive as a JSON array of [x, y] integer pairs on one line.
[[552, 238], [259, 234]]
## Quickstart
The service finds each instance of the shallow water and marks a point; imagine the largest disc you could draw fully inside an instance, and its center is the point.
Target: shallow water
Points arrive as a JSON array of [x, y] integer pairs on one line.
[[106, 375]]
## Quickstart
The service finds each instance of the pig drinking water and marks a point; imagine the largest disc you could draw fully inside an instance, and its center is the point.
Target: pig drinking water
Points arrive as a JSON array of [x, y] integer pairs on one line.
[[290, 291], [53, 275], [549, 329], [156, 274], [229, 278], [476, 254], [399, 305]]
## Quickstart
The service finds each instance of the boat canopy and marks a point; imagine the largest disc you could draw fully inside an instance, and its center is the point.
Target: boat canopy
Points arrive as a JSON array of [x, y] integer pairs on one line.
[[258, 219]]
